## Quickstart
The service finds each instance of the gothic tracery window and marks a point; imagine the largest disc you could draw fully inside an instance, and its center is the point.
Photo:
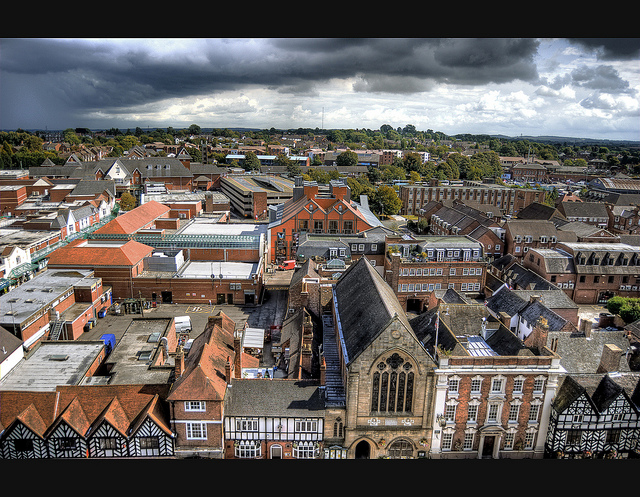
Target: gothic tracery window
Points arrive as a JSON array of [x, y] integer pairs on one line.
[[392, 387]]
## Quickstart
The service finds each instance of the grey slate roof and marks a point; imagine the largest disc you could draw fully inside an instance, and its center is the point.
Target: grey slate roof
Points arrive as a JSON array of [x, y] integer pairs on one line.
[[275, 397], [523, 278], [584, 209], [581, 355], [366, 304], [506, 301], [535, 310]]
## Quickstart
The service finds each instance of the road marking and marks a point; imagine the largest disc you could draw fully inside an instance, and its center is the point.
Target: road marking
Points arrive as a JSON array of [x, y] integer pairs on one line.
[[200, 309]]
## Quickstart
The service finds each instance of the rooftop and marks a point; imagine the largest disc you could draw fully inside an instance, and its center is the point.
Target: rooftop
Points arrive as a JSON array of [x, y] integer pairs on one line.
[[53, 364], [135, 352], [23, 301]]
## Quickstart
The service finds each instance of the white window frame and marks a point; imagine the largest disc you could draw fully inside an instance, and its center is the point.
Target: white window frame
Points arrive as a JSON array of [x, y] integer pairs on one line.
[[196, 430], [514, 411], [494, 410], [247, 449], [476, 380], [304, 450], [195, 406], [306, 425], [247, 424], [453, 387]]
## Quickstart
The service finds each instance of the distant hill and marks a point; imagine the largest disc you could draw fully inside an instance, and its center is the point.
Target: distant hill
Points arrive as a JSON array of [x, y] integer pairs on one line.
[[566, 139]]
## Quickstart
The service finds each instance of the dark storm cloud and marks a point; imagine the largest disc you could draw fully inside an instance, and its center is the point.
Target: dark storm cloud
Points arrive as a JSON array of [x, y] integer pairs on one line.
[[604, 78], [611, 48], [382, 62], [96, 74]]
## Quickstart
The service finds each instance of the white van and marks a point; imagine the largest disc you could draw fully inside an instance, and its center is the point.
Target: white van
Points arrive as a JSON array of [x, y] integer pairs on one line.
[[183, 324]]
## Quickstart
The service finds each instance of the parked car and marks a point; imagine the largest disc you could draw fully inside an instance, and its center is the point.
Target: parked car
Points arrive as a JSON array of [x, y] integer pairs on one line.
[[287, 265]]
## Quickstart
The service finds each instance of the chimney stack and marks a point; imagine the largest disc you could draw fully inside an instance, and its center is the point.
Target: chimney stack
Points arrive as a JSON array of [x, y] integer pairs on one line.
[[179, 366], [227, 370], [610, 360], [505, 319], [237, 347]]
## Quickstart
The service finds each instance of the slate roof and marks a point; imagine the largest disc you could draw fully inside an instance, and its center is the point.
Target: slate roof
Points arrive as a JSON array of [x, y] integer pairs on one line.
[[584, 230], [504, 262], [584, 209], [599, 389], [535, 310], [520, 277], [94, 187], [274, 397], [319, 247], [531, 227], [553, 299], [366, 304], [506, 301], [306, 270], [537, 210], [519, 303], [556, 261], [463, 325], [580, 354]]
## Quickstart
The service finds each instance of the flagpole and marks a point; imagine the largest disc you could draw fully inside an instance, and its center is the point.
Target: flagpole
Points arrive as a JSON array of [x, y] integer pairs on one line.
[[435, 350]]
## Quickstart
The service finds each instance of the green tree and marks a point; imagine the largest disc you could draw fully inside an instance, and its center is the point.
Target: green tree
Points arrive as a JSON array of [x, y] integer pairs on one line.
[[386, 201], [347, 158], [127, 201], [251, 162]]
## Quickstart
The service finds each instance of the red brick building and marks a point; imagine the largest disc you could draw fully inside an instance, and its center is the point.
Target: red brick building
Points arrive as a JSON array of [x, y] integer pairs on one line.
[[116, 262], [492, 392], [506, 200], [314, 211], [55, 304], [590, 273], [197, 395], [11, 196], [415, 268]]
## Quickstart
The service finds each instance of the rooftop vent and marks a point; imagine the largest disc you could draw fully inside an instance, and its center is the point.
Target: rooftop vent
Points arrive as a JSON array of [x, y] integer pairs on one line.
[[58, 357]]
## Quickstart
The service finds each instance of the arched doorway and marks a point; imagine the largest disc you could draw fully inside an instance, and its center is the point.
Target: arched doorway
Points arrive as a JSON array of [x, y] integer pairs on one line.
[[400, 449], [276, 452], [363, 450]]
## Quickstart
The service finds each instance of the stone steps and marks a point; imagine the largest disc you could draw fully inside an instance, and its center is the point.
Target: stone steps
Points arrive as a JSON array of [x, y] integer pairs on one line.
[[334, 388]]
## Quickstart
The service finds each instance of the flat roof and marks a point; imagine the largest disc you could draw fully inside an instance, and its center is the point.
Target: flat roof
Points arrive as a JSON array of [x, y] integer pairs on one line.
[[53, 364], [209, 227], [226, 270], [20, 303], [138, 346]]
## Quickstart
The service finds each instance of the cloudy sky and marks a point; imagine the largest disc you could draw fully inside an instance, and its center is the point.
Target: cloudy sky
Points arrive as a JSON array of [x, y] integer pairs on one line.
[[586, 88]]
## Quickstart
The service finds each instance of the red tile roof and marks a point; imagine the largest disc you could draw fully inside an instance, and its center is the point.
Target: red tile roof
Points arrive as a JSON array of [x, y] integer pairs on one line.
[[135, 219], [204, 374], [84, 406], [83, 253]]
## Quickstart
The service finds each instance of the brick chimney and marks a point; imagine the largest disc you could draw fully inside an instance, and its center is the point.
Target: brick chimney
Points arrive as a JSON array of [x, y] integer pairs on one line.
[[610, 359], [538, 336], [505, 319], [179, 365], [323, 372], [237, 347], [227, 370]]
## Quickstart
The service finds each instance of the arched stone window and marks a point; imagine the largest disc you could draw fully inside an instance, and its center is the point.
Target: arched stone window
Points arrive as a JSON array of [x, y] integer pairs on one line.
[[400, 449], [393, 385]]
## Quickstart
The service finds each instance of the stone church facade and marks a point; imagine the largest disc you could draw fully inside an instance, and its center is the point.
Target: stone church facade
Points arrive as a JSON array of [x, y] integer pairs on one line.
[[387, 374]]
